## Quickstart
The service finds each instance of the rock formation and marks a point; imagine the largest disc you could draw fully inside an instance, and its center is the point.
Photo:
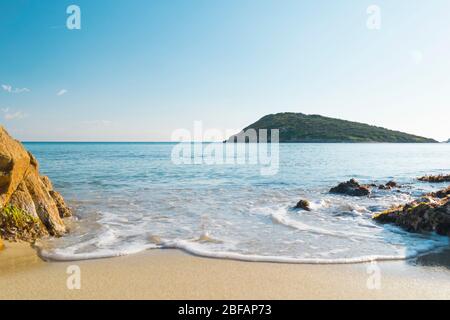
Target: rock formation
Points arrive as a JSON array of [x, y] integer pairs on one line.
[[428, 213], [438, 178], [388, 186], [29, 207], [351, 188], [441, 194]]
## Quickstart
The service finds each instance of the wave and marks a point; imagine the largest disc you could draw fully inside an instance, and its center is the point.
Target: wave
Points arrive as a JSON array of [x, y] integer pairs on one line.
[[70, 255], [280, 216], [356, 240], [198, 250], [195, 249]]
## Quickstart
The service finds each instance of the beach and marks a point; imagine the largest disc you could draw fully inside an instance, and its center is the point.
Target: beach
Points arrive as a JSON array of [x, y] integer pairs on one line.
[[225, 150], [173, 274]]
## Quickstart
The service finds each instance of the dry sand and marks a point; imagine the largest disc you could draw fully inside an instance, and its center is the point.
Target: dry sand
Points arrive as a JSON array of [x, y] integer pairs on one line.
[[171, 274]]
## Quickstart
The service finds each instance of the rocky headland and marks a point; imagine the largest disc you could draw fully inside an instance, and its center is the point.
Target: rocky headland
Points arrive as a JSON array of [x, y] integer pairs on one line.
[[29, 206]]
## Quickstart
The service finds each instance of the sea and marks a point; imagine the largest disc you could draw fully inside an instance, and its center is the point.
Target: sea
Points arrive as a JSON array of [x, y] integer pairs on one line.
[[132, 197]]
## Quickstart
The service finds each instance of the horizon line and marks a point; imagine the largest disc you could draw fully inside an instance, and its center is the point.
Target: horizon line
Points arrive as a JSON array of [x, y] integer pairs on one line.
[[176, 142]]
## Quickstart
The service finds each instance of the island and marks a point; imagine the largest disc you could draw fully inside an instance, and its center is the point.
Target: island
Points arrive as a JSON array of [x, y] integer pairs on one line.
[[299, 127]]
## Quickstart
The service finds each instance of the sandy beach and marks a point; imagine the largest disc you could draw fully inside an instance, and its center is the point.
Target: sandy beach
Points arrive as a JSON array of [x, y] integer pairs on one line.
[[172, 274], [224, 150]]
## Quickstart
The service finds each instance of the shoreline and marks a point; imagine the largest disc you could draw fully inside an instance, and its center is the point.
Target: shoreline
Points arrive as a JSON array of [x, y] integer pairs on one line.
[[174, 274]]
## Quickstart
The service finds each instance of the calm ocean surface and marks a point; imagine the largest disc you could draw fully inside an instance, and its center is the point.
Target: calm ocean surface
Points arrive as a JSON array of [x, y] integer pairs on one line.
[[130, 197]]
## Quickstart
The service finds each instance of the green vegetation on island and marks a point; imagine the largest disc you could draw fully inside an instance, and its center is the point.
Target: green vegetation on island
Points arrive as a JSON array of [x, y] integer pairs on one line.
[[299, 127]]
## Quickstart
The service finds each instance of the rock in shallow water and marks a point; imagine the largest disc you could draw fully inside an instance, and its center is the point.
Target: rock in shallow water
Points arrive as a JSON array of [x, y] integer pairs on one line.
[[351, 188], [29, 207], [388, 186], [437, 178], [426, 214], [303, 204], [392, 184]]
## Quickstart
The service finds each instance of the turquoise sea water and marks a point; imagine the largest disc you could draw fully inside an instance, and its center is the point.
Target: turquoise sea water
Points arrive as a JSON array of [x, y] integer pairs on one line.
[[130, 197]]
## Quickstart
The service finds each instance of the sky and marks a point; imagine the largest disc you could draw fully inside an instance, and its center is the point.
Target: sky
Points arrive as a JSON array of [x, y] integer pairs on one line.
[[138, 70]]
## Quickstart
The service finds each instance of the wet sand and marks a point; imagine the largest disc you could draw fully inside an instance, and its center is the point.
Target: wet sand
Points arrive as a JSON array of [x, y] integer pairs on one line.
[[172, 274]]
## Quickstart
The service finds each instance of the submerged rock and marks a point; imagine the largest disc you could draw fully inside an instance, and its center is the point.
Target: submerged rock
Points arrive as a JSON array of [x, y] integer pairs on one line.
[[303, 204], [351, 188], [29, 207], [426, 214], [392, 184], [437, 178]]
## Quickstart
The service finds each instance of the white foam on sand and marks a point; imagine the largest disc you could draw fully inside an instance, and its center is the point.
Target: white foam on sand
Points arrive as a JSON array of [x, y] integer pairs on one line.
[[196, 249]]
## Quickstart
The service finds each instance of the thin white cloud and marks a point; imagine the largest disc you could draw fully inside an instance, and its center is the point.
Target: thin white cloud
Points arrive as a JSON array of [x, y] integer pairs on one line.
[[8, 88], [61, 92], [17, 90], [9, 114]]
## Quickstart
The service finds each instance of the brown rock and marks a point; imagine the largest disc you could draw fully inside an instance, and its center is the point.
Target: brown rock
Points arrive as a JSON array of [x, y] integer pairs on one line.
[[21, 199], [351, 188], [437, 178], [46, 207], [63, 209], [392, 184], [389, 185], [303, 204], [14, 162], [27, 195], [425, 214], [2, 246], [47, 183], [441, 193]]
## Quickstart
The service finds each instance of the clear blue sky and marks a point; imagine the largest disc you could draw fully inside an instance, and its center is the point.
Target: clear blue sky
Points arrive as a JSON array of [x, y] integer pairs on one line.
[[139, 69]]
